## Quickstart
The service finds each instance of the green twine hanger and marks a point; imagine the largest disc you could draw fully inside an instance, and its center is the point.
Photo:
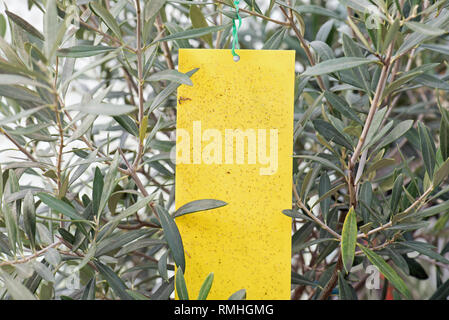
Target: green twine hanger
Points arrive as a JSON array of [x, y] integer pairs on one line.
[[235, 29]]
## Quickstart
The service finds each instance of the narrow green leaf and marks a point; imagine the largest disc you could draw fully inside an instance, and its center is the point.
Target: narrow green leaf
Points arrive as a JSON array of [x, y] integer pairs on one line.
[[86, 124], [24, 25], [162, 266], [427, 149], [205, 287], [396, 84], [152, 7], [143, 126], [345, 291], [324, 187], [11, 226], [174, 28], [444, 134], [128, 124], [2, 26], [441, 174], [275, 41], [199, 205], [323, 161], [89, 290], [172, 236], [164, 94], [113, 280], [253, 5], [50, 25], [425, 29], [366, 195], [15, 288], [87, 257], [330, 133], [387, 271], [391, 35], [136, 295], [301, 235], [375, 125], [171, 75], [97, 190], [109, 184], [83, 51], [199, 21], [316, 9], [323, 50], [194, 33], [424, 249], [351, 49], [396, 193], [107, 17], [398, 131], [119, 240], [349, 239], [334, 65], [432, 81], [303, 281], [106, 109], [398, 260], [132, 209], [342, 107], [139, 244], [181, 288], [440, 48], [59, 206], [164, 291], [29, 218], [238, 295], [43, 271], [53, 257], [20, 115]]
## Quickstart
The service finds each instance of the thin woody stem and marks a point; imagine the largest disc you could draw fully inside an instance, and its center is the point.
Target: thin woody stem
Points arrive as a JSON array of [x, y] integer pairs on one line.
[[405, 212], [311, 215], [105, 35], [22, 149], [140, 82], [132, 173], [60, 130], [304, 45], [164, 45], [33, 256], [256, 14], [374, 105]]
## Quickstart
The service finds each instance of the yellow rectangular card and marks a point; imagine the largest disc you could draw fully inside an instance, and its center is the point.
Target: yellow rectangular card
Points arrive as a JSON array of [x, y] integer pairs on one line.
[[234, 143]]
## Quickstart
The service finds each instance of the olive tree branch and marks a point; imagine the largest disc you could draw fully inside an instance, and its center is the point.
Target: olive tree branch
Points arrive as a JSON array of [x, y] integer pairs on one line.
[[311, 215], [256, 14], [132, 173], [21, 148], [374, 105], [164, 45], [304, 45], [418, 201], [31, 257], [140, 83]]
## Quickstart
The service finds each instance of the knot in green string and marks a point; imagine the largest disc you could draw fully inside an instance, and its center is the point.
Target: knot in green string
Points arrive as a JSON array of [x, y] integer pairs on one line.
[[235, 29]]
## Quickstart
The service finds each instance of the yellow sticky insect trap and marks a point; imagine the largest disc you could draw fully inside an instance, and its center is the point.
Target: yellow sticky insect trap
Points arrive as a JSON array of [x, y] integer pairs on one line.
[[234, 143]]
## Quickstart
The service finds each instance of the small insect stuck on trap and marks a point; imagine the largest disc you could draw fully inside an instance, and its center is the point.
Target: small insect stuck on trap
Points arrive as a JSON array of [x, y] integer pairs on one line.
[[183, 99]]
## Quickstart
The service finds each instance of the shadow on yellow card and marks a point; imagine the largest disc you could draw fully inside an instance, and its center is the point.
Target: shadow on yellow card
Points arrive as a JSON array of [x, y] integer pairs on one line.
[[234, 143]]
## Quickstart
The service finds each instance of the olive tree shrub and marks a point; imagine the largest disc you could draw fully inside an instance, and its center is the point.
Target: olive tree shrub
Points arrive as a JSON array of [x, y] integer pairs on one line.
[[88, 107]]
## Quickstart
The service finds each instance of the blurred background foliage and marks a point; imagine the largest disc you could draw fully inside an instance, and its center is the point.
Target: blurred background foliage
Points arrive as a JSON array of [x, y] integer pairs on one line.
[[88, 110]]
